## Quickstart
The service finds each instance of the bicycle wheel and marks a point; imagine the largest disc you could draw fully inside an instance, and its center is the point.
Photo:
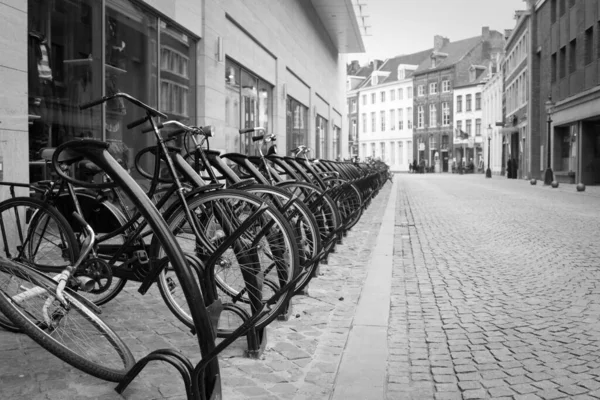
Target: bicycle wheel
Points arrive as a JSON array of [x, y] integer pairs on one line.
[[251, 271], [34, 233], [348, 200], [323, 208], [70, 331], [302, 222]]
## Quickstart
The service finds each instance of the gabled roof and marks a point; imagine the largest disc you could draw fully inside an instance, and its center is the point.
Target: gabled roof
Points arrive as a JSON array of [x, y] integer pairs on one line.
[[364, 71], [455, 51], [390, 67], [484, 76]]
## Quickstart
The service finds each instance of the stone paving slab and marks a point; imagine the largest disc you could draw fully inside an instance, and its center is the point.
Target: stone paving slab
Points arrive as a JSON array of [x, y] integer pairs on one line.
[[300, 361]]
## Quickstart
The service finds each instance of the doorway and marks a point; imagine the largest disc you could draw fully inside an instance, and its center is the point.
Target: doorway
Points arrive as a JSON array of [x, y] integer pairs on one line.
[[590, 153]]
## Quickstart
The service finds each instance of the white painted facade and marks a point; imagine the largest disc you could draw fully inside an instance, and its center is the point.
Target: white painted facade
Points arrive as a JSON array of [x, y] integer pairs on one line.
[[386, 121], [468, 118], [492, 113]]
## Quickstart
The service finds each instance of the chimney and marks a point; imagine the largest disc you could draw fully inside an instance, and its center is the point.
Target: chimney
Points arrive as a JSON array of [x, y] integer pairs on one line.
[[377, 64], [439, 42], [485, 33]]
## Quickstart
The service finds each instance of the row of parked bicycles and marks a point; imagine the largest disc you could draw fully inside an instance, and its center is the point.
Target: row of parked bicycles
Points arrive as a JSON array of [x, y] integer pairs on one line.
[[228, 239]]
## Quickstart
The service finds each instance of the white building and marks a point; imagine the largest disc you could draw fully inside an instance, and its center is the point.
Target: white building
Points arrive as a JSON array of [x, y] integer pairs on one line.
[[492, 120], [468, 118], [386, 114]]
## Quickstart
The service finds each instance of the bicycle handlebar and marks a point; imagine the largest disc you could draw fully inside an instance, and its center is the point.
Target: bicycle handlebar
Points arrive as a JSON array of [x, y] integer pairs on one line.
[[152, 111], [182, 128]]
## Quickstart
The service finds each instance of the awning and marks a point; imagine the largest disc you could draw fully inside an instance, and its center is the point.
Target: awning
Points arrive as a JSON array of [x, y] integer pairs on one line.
[[512, 129]]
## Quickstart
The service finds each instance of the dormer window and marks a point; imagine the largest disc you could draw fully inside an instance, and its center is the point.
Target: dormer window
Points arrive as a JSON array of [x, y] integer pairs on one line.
[[433, 62], [475, 72], [374, 80], [401, 73]]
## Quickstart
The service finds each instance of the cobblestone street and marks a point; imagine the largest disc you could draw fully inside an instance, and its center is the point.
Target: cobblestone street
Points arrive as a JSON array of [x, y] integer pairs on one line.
[[495, 294], [496, 290]]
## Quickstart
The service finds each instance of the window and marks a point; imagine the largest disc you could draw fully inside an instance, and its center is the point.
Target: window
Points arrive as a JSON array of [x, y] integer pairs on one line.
[[364, 123], [571, 3], [468, 102], [459, 127], [353, 105], [409, 149], [478, 127], [382, 147], [400, 119], [297, 123], [400, 94], [382, 121], [432, 115], [409, 118], [589, 46], [445, 142], [572, 56], [409, 93], [420, 116], [373, 96], [432, 143], [433, 88], [553, 68], [445, 113], [445, 86], [373, 150], [562, 7], [562, 62], [468, 127], [69, 50], [392, 153], [383, 97], [392, 95], [458, 104], [392, 119], [477, 101], [364, 98], [364, 150], [322, 137], [421, 90], [354, 131], [373, 122], [401, 153], [553, 11]]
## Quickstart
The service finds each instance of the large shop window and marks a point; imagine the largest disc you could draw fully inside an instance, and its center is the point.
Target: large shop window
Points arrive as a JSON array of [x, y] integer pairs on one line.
[[248, 104], [322, 138], [76, 56], [296, 124]]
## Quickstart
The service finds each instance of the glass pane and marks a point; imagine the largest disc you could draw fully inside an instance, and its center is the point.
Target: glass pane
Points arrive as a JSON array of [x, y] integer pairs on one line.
[[249, 108], [131, 67], [297, 128], [232, 104], [177, 75], [63, 71]]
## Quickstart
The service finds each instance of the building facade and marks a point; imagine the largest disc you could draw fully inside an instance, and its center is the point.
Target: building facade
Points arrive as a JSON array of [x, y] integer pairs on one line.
[[221, 63], [386, 105], [355, 76], [468, 122], [566, 67], [434, 81], [515, 66], [492, 116]]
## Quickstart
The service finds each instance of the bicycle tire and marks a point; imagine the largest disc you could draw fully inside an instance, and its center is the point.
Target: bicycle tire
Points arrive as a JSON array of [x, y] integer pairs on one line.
[[323, 207], [226, 197], [305, 228], [14, 300], [21, 218]]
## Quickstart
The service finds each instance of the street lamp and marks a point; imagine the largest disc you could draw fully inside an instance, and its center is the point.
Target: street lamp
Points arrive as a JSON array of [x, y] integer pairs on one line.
[[488, 171], [548, 175]]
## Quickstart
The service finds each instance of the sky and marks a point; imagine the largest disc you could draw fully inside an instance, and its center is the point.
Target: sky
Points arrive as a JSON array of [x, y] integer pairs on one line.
[[408, 26]]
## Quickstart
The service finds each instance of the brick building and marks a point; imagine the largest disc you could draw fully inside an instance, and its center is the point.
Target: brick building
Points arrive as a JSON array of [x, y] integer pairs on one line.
[[566, 66], [434, 81], [516, 136]]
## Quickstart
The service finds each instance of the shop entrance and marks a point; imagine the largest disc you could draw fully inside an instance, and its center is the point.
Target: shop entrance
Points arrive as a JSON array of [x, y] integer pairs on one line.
[[590, 153], [444, 161]]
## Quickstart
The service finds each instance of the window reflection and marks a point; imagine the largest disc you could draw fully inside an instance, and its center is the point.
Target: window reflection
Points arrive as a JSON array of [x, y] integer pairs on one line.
[[296, 126]]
